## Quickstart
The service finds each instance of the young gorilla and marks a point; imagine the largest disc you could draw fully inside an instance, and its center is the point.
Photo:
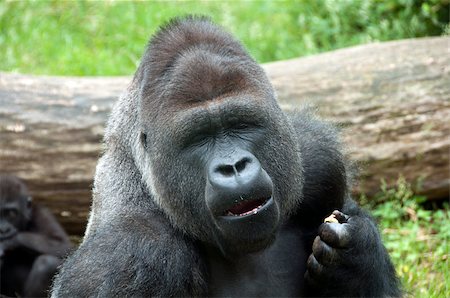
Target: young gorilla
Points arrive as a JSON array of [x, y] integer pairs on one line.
[[32, 242], [208, 188]]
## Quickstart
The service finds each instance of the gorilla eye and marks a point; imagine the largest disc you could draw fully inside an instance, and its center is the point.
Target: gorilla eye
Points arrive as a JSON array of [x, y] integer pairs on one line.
[[198, 140], [241, 125]]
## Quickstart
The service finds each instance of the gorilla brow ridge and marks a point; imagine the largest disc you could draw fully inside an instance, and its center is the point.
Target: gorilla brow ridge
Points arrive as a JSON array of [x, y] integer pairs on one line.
[[204, 75]]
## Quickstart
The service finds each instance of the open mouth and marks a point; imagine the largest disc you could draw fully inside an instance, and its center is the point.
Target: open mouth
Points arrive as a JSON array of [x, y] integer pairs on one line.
[[246, 207]]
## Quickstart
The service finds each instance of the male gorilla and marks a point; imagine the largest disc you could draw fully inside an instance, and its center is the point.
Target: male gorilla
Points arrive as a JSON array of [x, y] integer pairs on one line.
[[207, 188], [32, 242]]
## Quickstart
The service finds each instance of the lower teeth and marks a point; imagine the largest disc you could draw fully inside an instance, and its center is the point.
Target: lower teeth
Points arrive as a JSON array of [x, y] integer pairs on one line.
[[254, 211]]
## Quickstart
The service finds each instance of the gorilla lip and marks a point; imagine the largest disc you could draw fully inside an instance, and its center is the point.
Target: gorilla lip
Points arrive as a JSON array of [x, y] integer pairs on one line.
[[246, 207]]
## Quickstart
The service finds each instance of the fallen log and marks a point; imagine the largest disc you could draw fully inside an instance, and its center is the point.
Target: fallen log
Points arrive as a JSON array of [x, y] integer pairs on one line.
[[392, 99]]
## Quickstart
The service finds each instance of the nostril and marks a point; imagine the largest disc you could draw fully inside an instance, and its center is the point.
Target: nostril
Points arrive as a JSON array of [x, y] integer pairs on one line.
[[240, 165], [226, 170]]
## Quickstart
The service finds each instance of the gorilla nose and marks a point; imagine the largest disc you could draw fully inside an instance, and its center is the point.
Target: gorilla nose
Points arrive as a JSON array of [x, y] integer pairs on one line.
[[237, 184], [234, 173]]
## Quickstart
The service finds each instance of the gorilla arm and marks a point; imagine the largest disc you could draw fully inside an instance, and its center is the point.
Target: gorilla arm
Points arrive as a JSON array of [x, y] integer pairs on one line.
[[348, 258], [45, 235]]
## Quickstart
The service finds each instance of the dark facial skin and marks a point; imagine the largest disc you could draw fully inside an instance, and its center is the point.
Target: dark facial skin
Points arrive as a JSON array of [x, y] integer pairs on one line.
[[236, 185]]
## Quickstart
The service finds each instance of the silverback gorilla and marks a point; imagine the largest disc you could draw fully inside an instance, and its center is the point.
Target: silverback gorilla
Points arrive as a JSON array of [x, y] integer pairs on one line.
[[32, 242], [207, 188]]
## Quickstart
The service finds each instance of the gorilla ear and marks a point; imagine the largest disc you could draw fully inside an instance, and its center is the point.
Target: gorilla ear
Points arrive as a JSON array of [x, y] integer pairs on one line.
[[143, 138]]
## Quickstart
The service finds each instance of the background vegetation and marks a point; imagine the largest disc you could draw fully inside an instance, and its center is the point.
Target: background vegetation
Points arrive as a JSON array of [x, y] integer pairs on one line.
[[108, 38], [417, 236]]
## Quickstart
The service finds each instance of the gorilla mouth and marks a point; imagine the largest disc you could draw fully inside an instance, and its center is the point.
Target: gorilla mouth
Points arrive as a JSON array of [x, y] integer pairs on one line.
[[246, 207]]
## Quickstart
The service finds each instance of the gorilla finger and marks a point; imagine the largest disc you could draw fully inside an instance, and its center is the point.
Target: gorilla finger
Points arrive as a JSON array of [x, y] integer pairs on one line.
[[335, 234], [324, 254], [315, 269], [340, 216], [310, 280]]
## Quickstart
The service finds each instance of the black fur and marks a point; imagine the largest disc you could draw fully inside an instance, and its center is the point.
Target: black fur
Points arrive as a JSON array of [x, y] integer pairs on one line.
[[195, 143]]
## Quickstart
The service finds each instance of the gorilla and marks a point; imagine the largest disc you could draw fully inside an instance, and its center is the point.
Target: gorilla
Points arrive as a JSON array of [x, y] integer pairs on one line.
[[32, 243], [207, 188]]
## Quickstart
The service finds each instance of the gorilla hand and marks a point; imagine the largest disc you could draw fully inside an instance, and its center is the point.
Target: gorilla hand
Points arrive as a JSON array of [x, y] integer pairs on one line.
[[344, 254], [8, 244]]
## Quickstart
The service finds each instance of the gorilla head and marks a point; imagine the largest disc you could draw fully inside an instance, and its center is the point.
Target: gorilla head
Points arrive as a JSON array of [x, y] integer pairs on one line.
[[15, 206], [216, 151]]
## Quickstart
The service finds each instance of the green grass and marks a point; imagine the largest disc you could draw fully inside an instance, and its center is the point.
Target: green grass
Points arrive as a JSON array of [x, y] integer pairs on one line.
[[417, 239], [108, 37]]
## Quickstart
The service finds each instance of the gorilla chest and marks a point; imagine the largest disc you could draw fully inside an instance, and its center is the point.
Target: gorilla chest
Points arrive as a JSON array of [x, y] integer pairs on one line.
[[276, 271]]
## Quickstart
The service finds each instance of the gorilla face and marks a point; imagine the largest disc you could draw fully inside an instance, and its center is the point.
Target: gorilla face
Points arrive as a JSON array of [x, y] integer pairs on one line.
[[15, 206], [215, 171], [221, 155]]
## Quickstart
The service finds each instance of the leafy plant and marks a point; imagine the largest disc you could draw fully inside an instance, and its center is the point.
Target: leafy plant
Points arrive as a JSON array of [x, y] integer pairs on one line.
[[416, 238]]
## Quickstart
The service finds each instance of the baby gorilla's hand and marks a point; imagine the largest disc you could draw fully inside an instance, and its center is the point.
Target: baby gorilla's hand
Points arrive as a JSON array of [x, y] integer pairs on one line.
[[8, 245]]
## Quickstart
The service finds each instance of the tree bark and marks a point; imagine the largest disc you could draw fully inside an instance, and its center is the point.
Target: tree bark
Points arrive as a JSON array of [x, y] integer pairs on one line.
[[392, 100]]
